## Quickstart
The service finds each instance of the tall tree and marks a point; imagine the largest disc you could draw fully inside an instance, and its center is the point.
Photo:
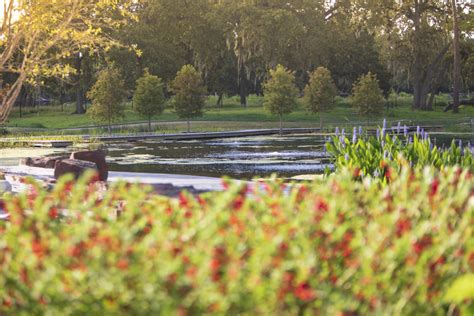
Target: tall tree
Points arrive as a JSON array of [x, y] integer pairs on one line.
[[149, 98], [280, 93], [419, 29], [457, 57], [107, 95], [189, 94], [367, 97], [36, 36], [320, 93]]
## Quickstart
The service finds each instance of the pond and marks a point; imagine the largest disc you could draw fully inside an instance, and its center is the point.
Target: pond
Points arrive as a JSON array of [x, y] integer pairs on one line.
[[240, 158]]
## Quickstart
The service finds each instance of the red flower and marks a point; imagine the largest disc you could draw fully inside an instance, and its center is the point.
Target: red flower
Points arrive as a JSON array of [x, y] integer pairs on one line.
[[183, 200], [402, 226], [304, 292], [37, 248], [356, 173], [321, 205], [215, 264], [122, 264], [420, 245], [53, 213], [238, 203], [434, 187]]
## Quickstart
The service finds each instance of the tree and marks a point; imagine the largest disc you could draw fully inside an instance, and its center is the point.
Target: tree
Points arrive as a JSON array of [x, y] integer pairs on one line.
[[457, 57], [367, 97], [37, 36], [107, 96], [320, 93], [189, 94], [417, 38], [280, 93], [149, 98]]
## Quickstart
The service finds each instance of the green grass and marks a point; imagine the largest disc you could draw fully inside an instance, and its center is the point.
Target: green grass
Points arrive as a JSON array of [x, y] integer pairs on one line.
[[51, 117]]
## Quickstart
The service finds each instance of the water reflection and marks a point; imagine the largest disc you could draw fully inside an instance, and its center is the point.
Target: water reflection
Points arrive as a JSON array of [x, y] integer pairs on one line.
[[239, 158]]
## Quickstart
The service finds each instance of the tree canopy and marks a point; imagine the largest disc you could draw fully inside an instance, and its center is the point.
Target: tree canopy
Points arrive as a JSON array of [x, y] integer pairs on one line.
[[233, 44], [37, 38]]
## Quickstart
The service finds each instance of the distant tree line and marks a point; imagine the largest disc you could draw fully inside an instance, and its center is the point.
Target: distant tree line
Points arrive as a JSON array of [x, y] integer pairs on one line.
[[233, 45]]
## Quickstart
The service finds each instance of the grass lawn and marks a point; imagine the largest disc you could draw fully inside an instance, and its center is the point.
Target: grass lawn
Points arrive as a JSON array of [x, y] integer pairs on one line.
[[233, 114]]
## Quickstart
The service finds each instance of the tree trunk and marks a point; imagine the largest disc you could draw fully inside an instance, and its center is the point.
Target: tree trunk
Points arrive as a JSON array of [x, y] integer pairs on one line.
[[432, 99], [281, 124], [79, 93], [220, 100], [457, 59], [423, 80], [243, 94], [10, 96], [243, 87]]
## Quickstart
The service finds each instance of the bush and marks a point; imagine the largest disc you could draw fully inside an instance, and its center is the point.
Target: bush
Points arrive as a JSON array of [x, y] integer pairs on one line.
[[339, 246], [367, 97]]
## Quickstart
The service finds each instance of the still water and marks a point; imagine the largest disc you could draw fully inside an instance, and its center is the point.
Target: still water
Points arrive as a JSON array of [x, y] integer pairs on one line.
[[236, 157]]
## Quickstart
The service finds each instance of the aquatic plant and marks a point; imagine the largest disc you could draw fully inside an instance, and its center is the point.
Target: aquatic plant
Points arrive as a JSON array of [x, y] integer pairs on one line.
[[391, 147]]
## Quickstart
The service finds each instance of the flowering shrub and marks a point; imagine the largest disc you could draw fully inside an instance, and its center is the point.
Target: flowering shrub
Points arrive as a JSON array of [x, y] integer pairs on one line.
[[338, 246], [374, 154]]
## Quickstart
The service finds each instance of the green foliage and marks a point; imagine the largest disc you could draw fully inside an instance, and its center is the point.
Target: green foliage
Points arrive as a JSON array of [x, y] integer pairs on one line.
[[367, 97], [384, 155], [461, 292], [329, 247], [320, 93], [107, 96], [149, 98], [280, 92], [189, 93]]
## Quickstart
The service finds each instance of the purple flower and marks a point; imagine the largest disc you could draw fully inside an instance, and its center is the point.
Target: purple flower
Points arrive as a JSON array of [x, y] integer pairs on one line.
[[460, 143], [343, 133], [378, 133], [418, 128], [346, 156], [384, 123], [337, 131], [405, 130], [354, 136], [360, 131]]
